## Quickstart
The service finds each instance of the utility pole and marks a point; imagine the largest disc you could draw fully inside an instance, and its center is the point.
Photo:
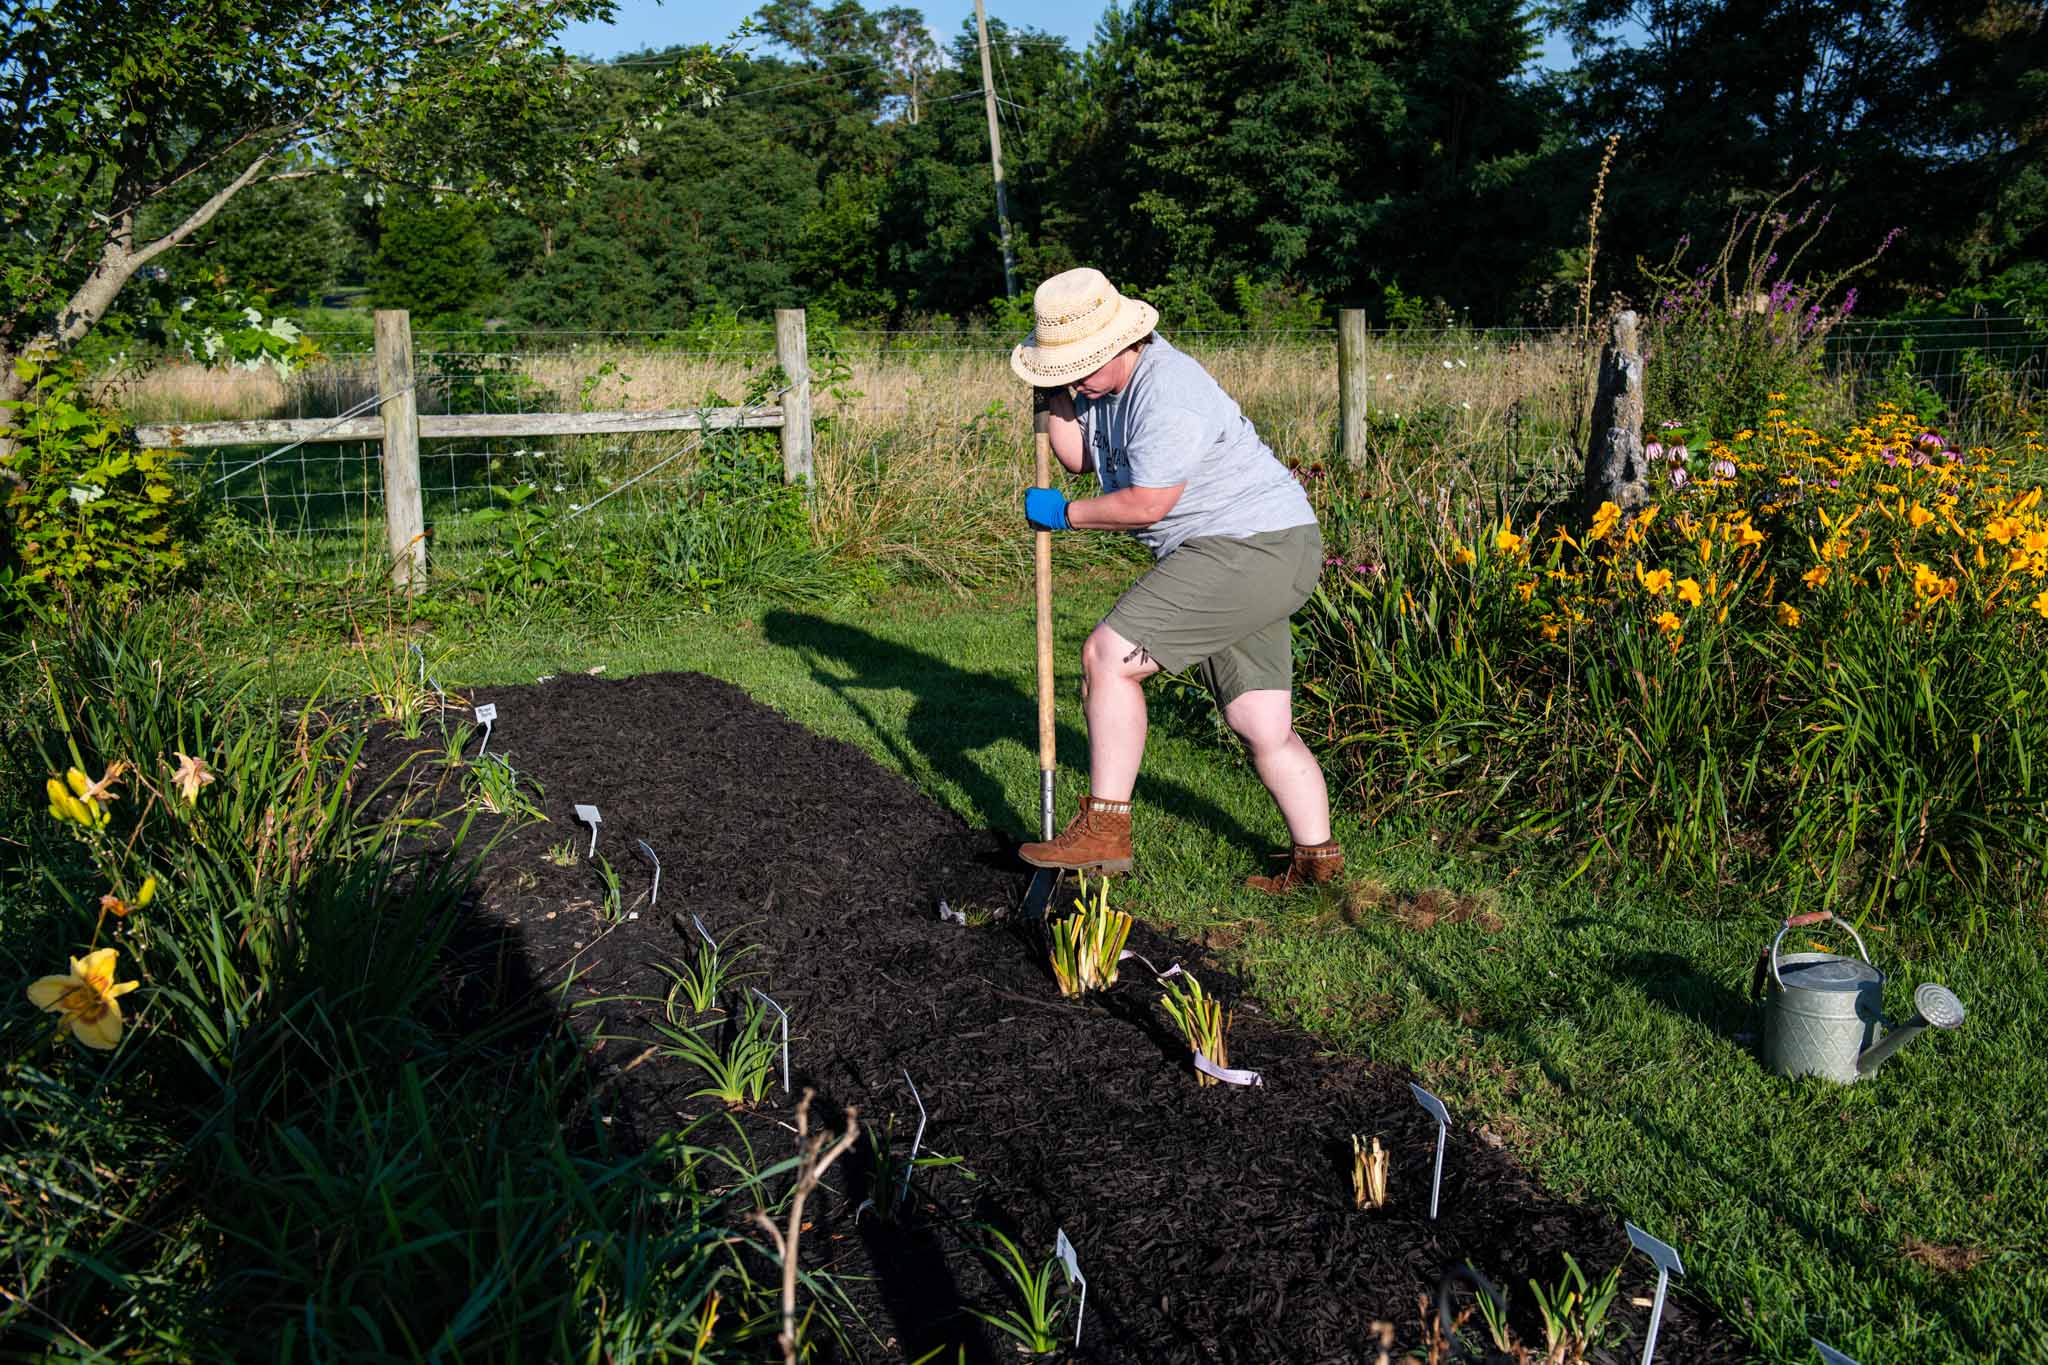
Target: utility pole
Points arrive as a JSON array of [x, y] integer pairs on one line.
[[995, 154]]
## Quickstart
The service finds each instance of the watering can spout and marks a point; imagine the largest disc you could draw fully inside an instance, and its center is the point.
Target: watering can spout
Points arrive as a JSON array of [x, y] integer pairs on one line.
[[1933, 1007]]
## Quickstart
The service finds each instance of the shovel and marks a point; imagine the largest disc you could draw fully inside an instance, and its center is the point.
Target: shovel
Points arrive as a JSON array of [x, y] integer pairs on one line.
[[1043, 881]]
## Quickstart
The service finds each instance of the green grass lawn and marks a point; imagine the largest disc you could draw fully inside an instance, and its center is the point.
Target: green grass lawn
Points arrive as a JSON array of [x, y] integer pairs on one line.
[[1598, 1025]]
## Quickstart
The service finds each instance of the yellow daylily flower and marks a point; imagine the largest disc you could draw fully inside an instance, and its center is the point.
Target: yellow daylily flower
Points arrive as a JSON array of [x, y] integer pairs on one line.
[[1603, 521], [1506, 541], [1668, 622], [1815, 577], [1463, 557], [1918, 516], [1788, 616], [1689, 591], [2041, 605], [86, 999], [1656, 582], [192, 774]]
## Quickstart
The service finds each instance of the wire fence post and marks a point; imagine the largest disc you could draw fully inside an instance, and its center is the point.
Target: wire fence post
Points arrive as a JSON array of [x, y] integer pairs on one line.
[[1351, 385], [793, 354], [404, 521]]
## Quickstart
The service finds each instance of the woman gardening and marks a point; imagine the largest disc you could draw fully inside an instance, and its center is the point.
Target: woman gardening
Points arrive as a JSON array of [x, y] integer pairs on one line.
[[1236, 552]]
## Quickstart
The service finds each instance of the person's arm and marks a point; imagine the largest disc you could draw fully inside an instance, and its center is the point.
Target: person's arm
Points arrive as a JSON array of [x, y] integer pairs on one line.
[[1065, 429], [1127, 509]]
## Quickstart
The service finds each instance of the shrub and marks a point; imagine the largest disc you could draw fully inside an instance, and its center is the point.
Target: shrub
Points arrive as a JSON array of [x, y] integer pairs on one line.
[[1813, 660], [87, 512]]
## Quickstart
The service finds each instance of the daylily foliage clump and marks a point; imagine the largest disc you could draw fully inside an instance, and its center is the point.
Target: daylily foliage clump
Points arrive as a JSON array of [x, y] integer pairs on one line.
[[1812, 657]]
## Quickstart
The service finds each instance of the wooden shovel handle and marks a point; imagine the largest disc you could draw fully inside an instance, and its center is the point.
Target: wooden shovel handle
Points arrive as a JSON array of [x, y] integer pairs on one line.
[[1810, 917], [1041, 428]]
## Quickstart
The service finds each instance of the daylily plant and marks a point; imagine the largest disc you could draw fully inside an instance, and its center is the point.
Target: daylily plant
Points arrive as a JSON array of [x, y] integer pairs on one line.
[[87, 1000]]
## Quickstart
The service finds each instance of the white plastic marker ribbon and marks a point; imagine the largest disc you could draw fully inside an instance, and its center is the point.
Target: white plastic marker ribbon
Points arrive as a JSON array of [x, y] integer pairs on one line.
[[486, 714], [1225, 1074], [1064, 1249], [589, 816], [425, 676], [1665, 1257], [948, 915], [1126, 955], [785, 1034], [911, 1164], [704, 933], [654, 892], [1828, 1354], [1434, 1107]]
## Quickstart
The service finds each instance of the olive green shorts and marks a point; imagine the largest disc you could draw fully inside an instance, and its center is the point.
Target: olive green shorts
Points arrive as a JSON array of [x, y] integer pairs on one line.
[[1220, 604]]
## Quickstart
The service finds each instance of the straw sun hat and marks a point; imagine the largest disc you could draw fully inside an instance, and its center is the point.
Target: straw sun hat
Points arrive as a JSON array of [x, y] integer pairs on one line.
[[1082, 323]]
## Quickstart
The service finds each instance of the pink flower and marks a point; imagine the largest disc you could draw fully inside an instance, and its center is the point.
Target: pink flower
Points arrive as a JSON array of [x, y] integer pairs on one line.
[[1653, 451], [1678, 478]]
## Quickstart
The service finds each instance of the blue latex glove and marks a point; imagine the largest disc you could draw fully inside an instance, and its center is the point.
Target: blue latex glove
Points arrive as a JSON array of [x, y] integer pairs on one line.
[[1046, 509]]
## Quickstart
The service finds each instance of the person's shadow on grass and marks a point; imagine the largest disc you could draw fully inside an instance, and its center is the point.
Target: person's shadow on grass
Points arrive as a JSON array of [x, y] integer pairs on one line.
[[957, 712]]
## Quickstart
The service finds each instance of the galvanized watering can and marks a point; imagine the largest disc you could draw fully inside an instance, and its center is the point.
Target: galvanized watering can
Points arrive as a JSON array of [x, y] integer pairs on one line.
[[1824, 1014]]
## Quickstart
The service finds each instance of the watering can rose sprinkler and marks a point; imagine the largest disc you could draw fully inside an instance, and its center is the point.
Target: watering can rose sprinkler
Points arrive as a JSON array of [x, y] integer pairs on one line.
[[1824, 1013]]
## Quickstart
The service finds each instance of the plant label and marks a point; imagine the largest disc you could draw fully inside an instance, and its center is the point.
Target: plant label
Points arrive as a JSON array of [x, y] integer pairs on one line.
[[1226, 1074], [1064, 1249], [910, 1163], [948, 915], [1665, 1257], [486, 715], [704, 933], [427, 678], [654, 892], [1434, 1107], [1828, 1354], [1127, 954], [785, 1033], [589, 816]]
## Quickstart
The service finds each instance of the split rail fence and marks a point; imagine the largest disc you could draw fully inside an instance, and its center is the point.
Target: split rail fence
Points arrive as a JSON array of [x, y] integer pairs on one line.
[[399, 426]]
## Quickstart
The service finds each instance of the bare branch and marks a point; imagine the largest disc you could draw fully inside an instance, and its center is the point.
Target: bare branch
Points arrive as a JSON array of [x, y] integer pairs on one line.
[[814, 1159]]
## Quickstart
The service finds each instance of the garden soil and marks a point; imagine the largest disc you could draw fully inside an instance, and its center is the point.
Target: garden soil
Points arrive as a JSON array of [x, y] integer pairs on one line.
[[1211, 1223]]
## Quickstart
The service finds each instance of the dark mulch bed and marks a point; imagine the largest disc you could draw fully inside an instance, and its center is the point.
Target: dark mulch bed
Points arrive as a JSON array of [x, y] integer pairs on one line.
[[1213, 1224]]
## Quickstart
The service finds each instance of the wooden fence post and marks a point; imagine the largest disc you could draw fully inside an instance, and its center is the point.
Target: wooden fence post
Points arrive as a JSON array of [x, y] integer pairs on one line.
[[1615, 469], [405, 525], [793, 354], [1351, 384]]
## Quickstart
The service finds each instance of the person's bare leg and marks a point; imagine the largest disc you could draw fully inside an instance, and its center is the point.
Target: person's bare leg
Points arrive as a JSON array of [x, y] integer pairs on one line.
[[1113, 672], [1265, 721]]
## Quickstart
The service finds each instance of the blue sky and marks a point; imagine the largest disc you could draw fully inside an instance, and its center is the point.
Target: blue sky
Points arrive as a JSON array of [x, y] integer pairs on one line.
[[645, 24]]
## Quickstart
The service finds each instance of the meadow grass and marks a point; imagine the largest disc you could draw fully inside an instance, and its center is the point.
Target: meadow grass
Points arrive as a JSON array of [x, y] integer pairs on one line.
[[1595, 1023]]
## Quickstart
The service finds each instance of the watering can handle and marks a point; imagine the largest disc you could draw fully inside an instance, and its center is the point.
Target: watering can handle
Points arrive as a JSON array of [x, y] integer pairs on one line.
[[1812, 917]]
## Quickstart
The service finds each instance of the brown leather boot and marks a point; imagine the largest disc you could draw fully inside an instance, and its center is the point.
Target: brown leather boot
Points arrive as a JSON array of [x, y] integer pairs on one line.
[[1096, 840], [1312, 865]]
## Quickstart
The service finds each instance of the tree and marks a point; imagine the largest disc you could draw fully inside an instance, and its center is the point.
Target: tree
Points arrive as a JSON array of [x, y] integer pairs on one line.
[[109, 110], [433, 259]]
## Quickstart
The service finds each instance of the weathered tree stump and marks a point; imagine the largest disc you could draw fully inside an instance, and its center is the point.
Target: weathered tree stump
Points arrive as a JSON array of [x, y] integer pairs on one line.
[[1615, 470]]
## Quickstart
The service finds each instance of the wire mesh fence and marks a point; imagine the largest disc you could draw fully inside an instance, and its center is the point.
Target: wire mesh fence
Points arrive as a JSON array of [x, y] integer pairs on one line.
[[1505, 402]]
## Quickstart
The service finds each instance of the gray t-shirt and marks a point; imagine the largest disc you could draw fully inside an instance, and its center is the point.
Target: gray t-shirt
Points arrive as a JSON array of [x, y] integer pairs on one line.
[[1174, 424]]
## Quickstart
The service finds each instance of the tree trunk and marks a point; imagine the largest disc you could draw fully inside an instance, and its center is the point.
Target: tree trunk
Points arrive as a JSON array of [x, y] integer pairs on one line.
[[1615, 471]]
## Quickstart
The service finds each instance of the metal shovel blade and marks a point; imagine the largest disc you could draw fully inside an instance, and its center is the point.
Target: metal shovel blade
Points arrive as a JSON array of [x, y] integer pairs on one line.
[[1038, 896]]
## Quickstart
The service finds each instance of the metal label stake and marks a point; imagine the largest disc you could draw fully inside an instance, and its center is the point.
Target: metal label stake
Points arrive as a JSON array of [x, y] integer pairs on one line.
[[589, 816], [425, 677], [1828, 1354], [1064, 1249], [1434, 1107], [486, 714], [911, 1164], [1665, 1257], [704, 933], [785, 1034], [654, 892]]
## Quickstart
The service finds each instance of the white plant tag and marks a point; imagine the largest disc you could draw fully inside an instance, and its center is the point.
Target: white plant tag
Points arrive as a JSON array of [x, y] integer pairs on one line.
[[1225, 1074], [910, 1164], [785, 1033], [1127, 954], [487, 715], [1064, 1249], [1828, 1354], [1665, 1257], [948, 915], [654, 892], [589, 816], [1434, 1107], [704, 933]]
